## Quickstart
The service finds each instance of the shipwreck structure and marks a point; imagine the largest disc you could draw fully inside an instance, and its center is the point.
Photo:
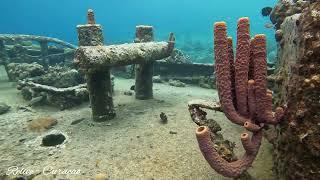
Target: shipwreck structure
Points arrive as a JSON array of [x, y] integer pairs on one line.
[[297, 80], [96, 60], [18, 48], [243, 94]]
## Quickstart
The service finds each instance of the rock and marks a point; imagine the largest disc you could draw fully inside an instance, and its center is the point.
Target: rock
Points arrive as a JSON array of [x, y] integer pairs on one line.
[[163, 118], [173, 132], [53, 139], [22, 140], [156, 79], [24, 109], [128, 93], [207, 82], [207, 86], [4, 108], [100, 176], [77, 121], [176, 83], [18, 178], [36, 101]]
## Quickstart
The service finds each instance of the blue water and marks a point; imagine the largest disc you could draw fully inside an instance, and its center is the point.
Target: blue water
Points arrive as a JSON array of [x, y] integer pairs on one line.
[[190, 20]]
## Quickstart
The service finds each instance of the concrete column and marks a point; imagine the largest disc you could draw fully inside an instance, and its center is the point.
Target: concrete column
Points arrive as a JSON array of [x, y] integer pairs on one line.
[[98, 81], [44, 53], [144, 72], [1, 45], [4, 59]]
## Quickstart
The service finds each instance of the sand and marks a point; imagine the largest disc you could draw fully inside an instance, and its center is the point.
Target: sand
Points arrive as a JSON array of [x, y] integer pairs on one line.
[[134, 145]]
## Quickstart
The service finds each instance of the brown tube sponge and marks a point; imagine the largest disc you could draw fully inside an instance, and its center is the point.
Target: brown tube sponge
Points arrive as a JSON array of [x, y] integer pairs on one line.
[[251, 99], [250, 105], [222, 69], [232, 73], [242, 64], [264, 102], [228, 169], [251, 126]]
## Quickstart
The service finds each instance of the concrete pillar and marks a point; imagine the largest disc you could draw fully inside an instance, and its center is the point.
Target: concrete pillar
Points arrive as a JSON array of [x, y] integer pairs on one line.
[[144, 72], [98, 81], [2, 45], [44, 53], [4, 59]]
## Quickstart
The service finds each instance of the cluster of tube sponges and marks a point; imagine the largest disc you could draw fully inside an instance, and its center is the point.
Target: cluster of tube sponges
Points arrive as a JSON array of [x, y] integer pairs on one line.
[[243, 94]]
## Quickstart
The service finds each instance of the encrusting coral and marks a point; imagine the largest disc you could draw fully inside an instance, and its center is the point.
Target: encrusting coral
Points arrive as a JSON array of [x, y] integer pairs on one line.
[[243, 94]]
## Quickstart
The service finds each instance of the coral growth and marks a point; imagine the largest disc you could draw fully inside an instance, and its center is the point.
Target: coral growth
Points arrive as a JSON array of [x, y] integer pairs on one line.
[[285, 9], [179, 57], [59, 86], [17, 48], [19, 71], [42, 124], [60, 77], [243, 94], [297, 146]]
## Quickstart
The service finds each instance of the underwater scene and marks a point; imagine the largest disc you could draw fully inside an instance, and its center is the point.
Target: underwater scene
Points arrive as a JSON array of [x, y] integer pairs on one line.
[[159, 90]]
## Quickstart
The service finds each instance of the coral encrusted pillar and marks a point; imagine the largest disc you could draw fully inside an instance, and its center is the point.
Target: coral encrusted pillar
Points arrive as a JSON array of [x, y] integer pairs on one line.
[[98, 81], [2, 45], [144, 72], [4, 57], [44, 53], [297, 146]]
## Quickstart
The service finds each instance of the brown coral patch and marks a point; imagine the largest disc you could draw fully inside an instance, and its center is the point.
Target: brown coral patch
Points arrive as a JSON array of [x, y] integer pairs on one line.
[[42, 124]]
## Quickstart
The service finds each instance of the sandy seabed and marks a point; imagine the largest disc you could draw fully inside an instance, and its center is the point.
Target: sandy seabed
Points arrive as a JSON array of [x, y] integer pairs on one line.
[[134, 145]]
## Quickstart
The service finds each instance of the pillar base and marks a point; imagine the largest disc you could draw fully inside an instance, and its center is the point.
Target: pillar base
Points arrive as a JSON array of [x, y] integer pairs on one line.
[[144, 84], [100, 94], [109, 116]]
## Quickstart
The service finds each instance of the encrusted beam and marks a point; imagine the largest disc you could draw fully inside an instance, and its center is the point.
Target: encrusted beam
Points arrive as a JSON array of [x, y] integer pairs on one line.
[[97, 57], [51, 88]]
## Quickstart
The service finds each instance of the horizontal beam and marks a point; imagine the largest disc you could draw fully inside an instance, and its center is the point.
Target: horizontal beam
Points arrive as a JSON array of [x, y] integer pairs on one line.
[[166, 69], [96, 57], [52, 89]]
